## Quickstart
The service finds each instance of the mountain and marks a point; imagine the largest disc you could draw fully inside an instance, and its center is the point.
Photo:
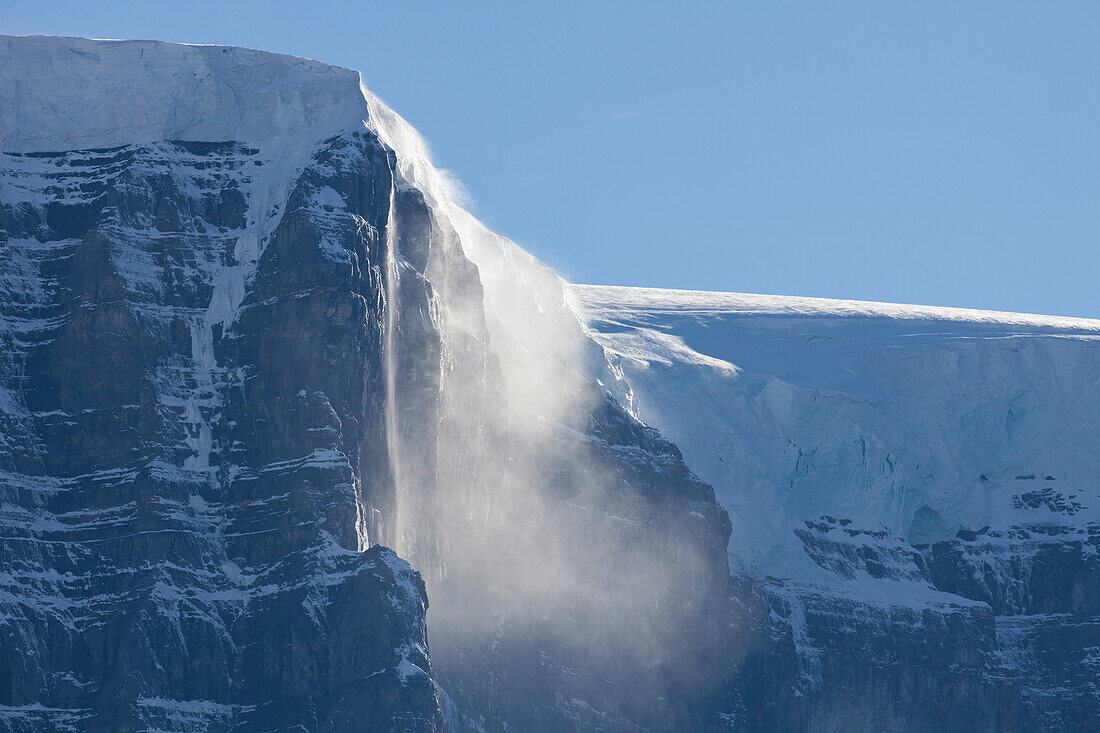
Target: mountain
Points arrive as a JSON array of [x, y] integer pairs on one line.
[[289, 440], [914, 489], [248, 343]]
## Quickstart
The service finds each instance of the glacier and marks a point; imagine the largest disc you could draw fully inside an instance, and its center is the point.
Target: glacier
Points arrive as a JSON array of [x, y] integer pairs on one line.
[[919, 421], [289, 439], [891, 459]]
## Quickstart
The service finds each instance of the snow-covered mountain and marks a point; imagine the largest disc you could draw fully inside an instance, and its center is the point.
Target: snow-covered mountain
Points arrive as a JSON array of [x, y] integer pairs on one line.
[[248, 342], [882, 459], [288, 440]]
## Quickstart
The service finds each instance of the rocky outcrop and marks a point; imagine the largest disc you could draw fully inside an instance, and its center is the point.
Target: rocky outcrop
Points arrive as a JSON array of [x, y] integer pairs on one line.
[[181, 494]]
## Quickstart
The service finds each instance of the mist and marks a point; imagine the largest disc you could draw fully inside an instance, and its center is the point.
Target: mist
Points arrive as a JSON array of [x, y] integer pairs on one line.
[[517, 491]]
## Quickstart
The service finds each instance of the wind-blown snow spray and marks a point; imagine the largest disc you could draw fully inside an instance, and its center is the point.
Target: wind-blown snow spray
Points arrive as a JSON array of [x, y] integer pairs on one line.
[[508, 501]]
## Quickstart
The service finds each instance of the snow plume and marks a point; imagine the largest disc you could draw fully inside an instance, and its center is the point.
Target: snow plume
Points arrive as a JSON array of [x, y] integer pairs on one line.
[[511, 500]]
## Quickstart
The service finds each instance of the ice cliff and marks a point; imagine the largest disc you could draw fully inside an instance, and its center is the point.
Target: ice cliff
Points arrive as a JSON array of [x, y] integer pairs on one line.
[[891, 472]]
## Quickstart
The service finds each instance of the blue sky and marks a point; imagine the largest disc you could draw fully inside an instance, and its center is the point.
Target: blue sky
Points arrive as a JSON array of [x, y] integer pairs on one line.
[[940, 153]]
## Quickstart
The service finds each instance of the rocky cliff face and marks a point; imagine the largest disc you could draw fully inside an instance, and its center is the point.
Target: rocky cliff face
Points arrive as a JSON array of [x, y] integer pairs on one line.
[[180, 489], [246, 342]]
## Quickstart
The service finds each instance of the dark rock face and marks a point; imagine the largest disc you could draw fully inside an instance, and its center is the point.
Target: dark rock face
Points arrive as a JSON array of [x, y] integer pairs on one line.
[[181, 528], [1002, 636], [1006, 641], [1042, 583], [996, 633], [835, 664]]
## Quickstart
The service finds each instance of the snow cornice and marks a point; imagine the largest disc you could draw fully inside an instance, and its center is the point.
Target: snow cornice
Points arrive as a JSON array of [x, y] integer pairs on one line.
[[611, 299], [73, 93]]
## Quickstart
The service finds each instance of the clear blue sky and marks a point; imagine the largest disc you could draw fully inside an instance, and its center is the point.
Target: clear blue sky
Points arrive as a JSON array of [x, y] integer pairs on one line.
[[941, 153]]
